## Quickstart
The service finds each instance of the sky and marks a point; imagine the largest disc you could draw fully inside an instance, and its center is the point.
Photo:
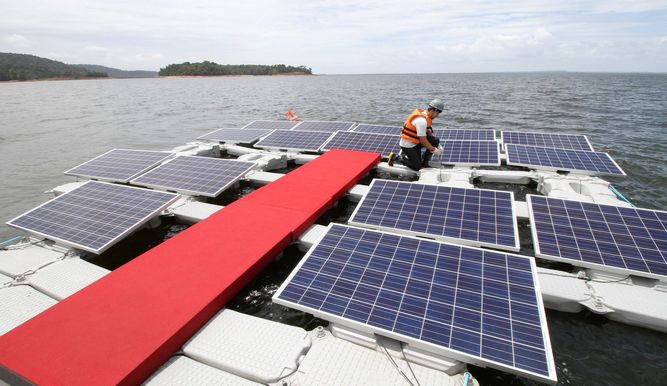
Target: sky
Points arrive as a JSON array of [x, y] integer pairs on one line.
[[345, 37]]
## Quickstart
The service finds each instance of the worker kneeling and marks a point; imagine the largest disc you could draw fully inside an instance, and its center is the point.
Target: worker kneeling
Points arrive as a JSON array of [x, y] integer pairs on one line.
[[417, 133]]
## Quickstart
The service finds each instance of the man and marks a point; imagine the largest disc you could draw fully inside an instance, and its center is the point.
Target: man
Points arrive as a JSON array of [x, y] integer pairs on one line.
[[417, 134]]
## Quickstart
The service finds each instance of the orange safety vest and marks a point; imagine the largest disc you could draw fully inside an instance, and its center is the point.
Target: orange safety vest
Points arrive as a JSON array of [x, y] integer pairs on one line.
[[409, 131]]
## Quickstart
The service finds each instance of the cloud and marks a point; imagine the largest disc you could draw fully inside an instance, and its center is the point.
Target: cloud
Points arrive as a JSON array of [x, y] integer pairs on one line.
[[15, 40], [349, 36]]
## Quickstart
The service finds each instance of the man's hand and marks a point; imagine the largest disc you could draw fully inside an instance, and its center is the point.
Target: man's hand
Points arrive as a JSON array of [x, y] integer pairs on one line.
[[437, 150]]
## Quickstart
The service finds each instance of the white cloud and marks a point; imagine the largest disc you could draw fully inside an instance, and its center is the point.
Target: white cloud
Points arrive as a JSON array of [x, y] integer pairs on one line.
[[347, 36], [18, 41]]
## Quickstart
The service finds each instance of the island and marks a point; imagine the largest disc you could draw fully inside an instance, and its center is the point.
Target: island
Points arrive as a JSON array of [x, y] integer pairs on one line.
[[207, 68]]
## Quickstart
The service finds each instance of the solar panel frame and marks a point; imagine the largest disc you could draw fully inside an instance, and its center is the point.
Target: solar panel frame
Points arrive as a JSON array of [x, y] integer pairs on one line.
[[62, 209], [452, 156], [192, 172], [447, 225], [549, 156], [314, 144], [465, 134], [108, 157], [448, 352], [377, 129], [580, 235], [582, 141], [271, 125], [370, 142], [235, 135], [326, 126]]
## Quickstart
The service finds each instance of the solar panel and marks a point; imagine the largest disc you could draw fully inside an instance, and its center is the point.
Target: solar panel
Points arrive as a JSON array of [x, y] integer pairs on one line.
[[377, 129], [560, 141], [328, 126], [471, 216], [607, 237], [235, 135], [193, 175], [465, 134], [443, 134], [478, 306], [119, 164], [374, 143], [95, 215], [294, 140], [271, 125], [546, 158], [469, 153]]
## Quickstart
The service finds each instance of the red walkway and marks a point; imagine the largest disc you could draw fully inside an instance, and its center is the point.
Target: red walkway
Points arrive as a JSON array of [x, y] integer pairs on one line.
[[123, 327]]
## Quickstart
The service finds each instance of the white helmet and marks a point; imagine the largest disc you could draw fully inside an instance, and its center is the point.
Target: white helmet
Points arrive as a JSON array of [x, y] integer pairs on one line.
[[437, 104]]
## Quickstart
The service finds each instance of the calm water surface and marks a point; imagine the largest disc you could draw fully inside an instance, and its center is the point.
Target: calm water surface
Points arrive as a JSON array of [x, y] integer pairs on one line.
[[49, 127]]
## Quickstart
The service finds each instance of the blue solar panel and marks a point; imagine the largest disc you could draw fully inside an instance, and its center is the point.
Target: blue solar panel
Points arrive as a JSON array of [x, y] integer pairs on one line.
[[607, 237], [378, 129], [469, 153], [119, 164], [561, 141], [235, 135], [374, 143], [95, 215], [203, 176], [475, 305], [294, 140], [443, 134], [471, 216], [271, 125], [588, 162], [465, 134], [328, 126]]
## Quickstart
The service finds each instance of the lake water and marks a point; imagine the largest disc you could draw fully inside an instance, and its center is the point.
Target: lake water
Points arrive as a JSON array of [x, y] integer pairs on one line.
[[49, 127]]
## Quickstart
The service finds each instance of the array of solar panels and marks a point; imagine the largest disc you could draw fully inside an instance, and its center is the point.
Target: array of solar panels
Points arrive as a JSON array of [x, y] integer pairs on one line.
[[625, 240], [472, 216], [316, 136], [95, 215], [462, 147], [476, 305]]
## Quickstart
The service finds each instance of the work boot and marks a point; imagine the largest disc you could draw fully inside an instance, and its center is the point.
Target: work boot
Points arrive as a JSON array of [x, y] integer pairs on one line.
[[390, 160]]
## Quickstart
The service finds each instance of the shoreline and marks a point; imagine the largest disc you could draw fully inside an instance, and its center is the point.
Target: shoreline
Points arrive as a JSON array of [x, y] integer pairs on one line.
[[150, 77], [234, 75]]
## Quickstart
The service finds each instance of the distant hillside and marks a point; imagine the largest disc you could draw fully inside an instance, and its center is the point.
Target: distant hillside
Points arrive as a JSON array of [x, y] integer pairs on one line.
[[116, 73], [207, 68], [30, 67]]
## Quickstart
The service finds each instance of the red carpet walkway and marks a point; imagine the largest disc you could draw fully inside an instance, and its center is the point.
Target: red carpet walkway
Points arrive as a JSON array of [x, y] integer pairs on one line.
[[123, 327]]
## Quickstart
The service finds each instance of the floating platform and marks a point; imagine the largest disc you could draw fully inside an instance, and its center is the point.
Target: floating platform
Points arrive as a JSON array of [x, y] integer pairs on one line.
[[121, 328]]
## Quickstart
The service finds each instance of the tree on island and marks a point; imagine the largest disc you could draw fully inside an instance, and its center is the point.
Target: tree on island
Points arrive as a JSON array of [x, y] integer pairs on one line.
[[30, 67], [207, 68]]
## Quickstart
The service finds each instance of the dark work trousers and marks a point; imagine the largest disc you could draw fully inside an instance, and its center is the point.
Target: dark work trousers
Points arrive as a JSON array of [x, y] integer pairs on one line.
[[413, 155]]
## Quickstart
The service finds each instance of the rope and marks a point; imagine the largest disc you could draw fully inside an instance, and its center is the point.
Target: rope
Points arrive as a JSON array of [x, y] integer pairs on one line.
[[11, 241], [620, 195]]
